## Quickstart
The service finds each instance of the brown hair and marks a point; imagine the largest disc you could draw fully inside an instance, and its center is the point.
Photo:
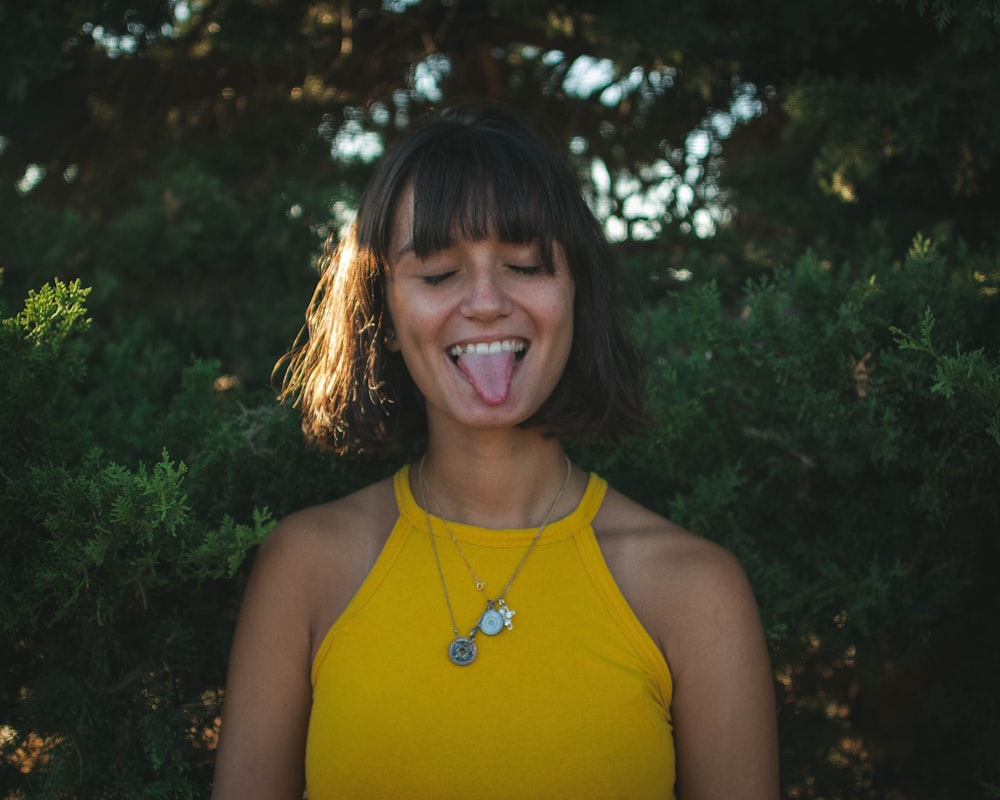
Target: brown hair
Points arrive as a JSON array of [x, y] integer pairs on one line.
[[476, 171]]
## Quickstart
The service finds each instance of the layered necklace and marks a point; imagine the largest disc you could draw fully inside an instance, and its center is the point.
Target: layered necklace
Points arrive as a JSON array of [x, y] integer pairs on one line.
[[498, 615]]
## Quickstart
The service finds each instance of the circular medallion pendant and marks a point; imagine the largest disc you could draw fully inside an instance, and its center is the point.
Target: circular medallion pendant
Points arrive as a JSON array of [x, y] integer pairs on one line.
[[462, 651], [491, 623]]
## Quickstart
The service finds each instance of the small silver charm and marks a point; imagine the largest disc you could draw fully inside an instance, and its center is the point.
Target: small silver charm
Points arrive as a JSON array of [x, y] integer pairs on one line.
[[507, 614], [491, 622], [462, 651]]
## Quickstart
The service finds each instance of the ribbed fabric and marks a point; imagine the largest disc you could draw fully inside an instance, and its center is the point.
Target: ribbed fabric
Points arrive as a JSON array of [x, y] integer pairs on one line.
[[573, 702]]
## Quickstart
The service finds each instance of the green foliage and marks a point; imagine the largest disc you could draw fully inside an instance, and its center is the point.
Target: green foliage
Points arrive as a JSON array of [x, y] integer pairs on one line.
[[50, 316], [825, 382], [855, 475], [970, 372], [41, 356], [113, 588]]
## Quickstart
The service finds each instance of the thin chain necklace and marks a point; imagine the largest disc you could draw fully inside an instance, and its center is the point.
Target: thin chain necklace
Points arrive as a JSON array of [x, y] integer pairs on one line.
[[498, 615], [479, 583]]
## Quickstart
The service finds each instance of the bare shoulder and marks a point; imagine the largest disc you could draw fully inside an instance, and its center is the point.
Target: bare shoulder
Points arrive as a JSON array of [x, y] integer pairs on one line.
[[343, 528], [694, 599], [304, 574], [680, 585], [323, 553], [644, 545]]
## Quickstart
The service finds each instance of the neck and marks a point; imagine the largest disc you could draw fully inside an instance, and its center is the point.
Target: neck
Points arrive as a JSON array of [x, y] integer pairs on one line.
[[509, 482]]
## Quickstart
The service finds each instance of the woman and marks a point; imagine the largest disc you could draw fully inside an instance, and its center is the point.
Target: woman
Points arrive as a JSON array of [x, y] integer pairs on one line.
[[492, 620]]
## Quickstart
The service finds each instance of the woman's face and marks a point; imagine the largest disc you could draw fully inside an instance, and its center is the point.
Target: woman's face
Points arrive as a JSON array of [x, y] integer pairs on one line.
[[485, 331]]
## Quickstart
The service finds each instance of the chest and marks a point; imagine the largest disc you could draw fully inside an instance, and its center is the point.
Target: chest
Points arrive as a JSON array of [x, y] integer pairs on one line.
[[574, 695]]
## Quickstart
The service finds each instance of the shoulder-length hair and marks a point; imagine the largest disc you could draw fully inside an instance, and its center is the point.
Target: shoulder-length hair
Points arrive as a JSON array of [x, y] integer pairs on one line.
[[475, 171]]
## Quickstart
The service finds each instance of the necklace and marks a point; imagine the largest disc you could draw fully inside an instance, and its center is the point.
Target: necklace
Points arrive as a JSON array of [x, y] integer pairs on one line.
[[498, 615], [479, 583]]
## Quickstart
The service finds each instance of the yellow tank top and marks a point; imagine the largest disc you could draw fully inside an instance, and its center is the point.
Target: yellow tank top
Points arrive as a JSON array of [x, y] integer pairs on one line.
[[573, 701]]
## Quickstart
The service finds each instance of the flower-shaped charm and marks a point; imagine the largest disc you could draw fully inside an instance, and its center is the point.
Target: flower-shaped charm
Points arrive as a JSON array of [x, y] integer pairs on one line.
[[507, 614]]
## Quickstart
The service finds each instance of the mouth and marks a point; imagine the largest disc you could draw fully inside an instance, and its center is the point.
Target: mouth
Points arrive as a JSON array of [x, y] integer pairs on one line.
[[516, 346], [489, 366]]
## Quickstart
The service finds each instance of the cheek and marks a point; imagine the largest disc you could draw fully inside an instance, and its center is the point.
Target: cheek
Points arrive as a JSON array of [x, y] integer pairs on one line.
[[569, 324], [418, 329], [564, 313], [562, 321]]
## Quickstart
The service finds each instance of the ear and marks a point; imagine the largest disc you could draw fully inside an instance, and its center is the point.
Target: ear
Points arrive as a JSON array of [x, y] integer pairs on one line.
[[390, 340]]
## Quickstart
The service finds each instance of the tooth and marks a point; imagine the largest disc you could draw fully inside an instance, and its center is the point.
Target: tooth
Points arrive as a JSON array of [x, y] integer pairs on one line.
[[505, 346]]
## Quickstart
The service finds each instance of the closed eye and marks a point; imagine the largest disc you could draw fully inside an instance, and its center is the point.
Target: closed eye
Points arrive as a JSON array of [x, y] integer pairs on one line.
[[525, 270], [435, 280]]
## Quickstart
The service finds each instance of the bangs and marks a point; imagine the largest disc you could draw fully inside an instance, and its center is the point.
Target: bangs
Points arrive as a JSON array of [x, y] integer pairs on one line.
[[469, 187], [474, 173]]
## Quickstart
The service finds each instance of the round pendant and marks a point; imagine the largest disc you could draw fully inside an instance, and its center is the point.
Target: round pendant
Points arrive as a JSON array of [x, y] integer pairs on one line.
[[491, 623], [462, 651]]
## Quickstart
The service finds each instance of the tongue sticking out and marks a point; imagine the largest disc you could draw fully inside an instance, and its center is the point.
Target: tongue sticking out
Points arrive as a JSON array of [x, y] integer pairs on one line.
[[489, 374]]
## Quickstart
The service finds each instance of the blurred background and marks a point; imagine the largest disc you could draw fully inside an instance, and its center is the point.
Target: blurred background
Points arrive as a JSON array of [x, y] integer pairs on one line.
[[803, 197]]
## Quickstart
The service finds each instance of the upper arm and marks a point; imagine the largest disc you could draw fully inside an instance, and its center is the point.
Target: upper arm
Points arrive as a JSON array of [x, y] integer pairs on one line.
[[268, 692], [723, 707]]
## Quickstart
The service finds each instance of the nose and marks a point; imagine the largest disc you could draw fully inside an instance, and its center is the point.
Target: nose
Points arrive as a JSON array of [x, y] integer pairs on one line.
[[486, 297]]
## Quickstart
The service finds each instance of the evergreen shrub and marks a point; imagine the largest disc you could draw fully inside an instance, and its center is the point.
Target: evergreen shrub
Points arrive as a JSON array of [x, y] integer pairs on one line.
[[836, 425], [116, 593]]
